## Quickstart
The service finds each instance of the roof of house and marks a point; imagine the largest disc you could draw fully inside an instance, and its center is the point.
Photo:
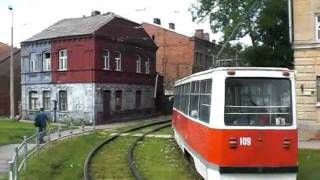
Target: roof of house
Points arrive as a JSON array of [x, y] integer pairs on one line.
[[74, 27], [5, 51]]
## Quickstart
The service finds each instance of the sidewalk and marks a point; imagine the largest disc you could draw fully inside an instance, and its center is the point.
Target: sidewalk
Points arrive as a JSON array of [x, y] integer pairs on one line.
[[309, 135]]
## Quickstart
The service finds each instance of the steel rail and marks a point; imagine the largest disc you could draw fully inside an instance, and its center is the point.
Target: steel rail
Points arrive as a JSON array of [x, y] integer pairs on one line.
[[86, 166], [132, 164]]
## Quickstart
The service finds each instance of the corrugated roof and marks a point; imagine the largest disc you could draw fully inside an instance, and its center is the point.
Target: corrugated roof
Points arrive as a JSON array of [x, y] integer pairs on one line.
[[74, 27]]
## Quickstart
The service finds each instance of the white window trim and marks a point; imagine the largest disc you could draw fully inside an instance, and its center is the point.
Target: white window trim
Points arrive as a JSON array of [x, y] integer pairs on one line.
[[33, 67], [147, 66], [118, 62], [63, 59], [317, 27], [138, 65], [45, 65], [106, 60]]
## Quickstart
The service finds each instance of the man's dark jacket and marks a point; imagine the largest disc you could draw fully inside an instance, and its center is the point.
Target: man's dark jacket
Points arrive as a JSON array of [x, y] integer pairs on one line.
[[41, 120]]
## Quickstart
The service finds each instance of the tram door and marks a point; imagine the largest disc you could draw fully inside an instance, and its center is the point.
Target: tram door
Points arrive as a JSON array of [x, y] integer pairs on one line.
[[106, 105]]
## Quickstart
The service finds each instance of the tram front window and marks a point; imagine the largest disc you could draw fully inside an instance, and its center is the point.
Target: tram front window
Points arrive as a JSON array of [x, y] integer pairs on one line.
[[258, 102]]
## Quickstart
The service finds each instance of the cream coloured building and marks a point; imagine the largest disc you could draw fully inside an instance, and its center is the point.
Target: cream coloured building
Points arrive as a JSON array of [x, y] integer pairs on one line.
[[306, 45]]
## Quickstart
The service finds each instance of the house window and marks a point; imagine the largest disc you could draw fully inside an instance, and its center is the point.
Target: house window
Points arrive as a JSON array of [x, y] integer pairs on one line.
[[106, 59], [118, 60], [318, 27], [118, 100], [318, 89], [63, 101], [147, 66], [33, 62], [63, 60], [138, 65], [46, 61], [33, 100], [46, 100]]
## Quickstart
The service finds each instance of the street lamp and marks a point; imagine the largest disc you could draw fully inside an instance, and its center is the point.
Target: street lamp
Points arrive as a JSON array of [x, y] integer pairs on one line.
[[12, 105]]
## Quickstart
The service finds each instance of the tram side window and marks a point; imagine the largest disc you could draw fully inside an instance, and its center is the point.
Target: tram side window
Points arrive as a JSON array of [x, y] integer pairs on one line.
[[205, 100], [175, 102], [194, 100], [185, 98]]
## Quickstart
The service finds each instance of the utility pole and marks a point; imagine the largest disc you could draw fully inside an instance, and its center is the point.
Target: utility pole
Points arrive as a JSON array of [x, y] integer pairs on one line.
[[12, 105]]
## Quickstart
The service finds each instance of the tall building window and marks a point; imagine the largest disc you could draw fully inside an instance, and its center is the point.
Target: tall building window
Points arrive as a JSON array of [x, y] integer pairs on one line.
[[63, 59], [46, 61], [106, 59], [63, 101], [318, 27], [33, 100], [33, 62], [118, 100], [118, 60], [147, 66], [138, 65], [46, 100], [318, 89]]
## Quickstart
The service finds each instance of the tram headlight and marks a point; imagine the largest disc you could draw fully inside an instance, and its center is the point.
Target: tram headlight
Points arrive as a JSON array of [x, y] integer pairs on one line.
[[286, 143], [233, 143]]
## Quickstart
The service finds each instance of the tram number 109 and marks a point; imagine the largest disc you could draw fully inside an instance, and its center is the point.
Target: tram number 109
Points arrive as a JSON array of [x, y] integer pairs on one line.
[[245, 141]]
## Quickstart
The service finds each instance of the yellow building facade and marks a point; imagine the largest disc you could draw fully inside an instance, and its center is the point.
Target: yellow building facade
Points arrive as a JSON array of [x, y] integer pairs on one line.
[[306, 45]]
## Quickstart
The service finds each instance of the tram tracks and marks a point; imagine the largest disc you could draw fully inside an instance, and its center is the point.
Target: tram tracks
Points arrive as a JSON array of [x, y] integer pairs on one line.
[[131, 164]]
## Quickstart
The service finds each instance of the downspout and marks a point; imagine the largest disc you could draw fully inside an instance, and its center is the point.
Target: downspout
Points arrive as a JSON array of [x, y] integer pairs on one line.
[[290, 13], [156, 87]]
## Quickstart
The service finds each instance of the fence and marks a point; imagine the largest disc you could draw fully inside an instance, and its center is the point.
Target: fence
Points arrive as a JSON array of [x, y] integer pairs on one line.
[[31, 145]]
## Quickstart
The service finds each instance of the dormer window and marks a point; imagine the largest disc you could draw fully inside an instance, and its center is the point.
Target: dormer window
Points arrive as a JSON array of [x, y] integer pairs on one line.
[[118, 60], [63, 60], [318, 27], [138, 65], [147, 66], [106, 59]]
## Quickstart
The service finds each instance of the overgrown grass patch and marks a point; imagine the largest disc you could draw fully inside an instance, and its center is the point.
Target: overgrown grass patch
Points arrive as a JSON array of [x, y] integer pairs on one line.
[[159, 159], [13, 131], [62, 159], [309, 164]]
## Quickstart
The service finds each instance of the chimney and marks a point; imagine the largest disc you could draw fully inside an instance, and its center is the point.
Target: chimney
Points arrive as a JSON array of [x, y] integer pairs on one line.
[[157, 21], [95, 12], [172, 26], [206, 36], [199, 33]]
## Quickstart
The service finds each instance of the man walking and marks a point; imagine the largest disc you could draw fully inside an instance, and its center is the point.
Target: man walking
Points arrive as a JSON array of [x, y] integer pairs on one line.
[[41, 122]]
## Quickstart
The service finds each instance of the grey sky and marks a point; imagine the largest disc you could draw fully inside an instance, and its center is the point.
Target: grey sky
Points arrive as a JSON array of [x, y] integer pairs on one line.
[[32, 16]]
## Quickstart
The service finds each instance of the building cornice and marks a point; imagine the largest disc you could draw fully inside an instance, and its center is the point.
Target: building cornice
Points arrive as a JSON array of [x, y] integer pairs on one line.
[[314, 45]]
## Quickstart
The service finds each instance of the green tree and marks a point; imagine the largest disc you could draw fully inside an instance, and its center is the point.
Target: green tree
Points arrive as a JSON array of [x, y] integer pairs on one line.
[[264, 21]]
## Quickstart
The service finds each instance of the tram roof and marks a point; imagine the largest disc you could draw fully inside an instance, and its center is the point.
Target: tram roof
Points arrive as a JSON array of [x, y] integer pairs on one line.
[[234, 68]]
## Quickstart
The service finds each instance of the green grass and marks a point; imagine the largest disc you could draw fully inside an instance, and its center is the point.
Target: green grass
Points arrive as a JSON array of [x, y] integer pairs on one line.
[[159, 159], [63, 159], [309, 164], [13, 131]]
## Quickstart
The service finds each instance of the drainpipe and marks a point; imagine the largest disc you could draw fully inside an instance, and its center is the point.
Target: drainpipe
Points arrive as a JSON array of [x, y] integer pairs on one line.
[[156, 86], [290, 13]]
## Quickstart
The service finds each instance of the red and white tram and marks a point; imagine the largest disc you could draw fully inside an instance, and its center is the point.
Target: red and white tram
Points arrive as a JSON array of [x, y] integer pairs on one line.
[[238, 123]]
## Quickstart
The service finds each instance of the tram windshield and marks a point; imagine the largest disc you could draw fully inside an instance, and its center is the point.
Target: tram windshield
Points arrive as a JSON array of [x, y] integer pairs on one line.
[[258, 102]]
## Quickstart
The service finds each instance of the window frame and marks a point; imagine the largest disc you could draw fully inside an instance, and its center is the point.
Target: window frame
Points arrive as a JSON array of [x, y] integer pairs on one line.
[[318, 90], [46, 100], [33, 105], [317, 27], [63, 60], [33, 62], [138, 64], [65, 101], [118, 61], [46, 62], [147, 66], [106, 59]]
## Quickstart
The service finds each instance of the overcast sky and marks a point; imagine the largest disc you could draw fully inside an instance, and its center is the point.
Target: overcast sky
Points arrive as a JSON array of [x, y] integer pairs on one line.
[[32, 16]]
